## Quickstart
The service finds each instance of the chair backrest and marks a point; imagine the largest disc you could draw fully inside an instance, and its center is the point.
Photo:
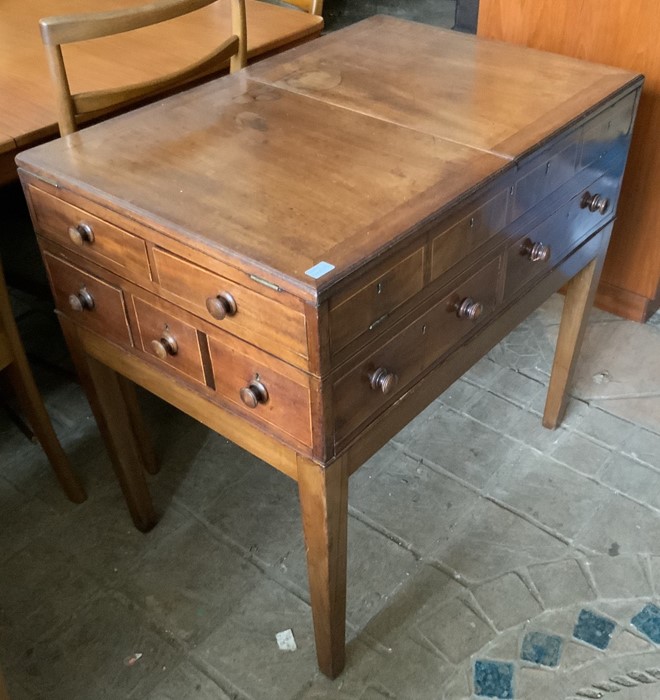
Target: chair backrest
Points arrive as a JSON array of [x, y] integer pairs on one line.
[[314, 7], [67, 29]]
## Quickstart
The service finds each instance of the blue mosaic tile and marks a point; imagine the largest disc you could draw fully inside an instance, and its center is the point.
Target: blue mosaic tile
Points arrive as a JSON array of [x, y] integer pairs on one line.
[[594, 629], [493, 679], [541, 648], [648, 622]]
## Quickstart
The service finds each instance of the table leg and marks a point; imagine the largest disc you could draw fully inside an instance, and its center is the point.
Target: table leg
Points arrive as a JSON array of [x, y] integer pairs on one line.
[[580, 293], [324, 506], [107, 394]]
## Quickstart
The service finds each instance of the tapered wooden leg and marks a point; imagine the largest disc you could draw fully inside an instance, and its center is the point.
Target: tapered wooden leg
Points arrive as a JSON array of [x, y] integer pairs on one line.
[[580, 294], [32, 405], [106, 392], [324, 506], [19, 373], [142, 436]]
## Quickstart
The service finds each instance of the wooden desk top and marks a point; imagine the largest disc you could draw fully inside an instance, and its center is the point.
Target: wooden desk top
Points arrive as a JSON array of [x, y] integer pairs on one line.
[[27, 104], [315, 158]]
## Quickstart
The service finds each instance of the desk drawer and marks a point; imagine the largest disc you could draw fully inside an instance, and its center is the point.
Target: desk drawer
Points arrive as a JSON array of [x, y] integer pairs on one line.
[[369, 306], [168, 339], [541, 249], [88, 300], [391, 368], [233, 308], [90, 237], [608, 130], [546, 176], [454, 244], [262, 388]]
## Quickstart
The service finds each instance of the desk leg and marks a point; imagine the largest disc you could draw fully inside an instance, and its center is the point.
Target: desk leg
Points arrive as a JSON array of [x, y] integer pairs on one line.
[[107, 394], [324, 506], [580, 293]]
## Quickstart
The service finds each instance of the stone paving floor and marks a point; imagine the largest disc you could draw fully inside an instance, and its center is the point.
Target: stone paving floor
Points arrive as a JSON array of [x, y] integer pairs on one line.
[[488, 557]]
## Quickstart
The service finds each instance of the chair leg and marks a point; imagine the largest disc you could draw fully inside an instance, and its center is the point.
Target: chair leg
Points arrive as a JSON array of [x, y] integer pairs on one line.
[[27, 393], [324, 507]]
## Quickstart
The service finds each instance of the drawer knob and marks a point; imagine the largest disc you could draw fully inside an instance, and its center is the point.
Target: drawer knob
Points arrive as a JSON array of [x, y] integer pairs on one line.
[[469, 309], [383, 380], [254, 394], [536, 252], [81, 234], [165, 347], [595, 202], [221, 305], [82, 301]]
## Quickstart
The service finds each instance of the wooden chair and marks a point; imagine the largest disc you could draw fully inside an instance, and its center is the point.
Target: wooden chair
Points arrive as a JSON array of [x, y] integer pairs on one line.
[[67, 29], [14, 363]]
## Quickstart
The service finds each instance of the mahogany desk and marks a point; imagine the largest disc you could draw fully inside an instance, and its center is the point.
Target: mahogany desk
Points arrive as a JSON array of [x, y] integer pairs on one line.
[[27, 102], [303, 255]]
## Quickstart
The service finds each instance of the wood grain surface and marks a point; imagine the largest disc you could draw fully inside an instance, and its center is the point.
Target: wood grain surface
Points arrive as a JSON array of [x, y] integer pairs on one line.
[[391, 162]]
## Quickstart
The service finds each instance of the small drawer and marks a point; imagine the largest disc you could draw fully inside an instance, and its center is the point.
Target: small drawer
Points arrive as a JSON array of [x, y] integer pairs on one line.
[[88, 300], [367, 308], [545, 177], [236, 309], [393, 367], [607, 131], [95, 239], [463, 238], [541, 249], [168, 339], [262, 388]]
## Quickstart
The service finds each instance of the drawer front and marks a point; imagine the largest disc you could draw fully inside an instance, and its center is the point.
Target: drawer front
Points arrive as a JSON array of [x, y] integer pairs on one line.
[[460, 240], [262, 388], [538, 251], [608, 131], [545, 177], [367, 308], [236, 309], [88, 300], [89, 236], [168, 339], [393, 367]]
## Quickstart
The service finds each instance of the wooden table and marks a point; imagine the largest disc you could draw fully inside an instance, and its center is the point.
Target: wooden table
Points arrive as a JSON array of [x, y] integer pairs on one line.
[[305, 254], [624, 35], [27, 102]]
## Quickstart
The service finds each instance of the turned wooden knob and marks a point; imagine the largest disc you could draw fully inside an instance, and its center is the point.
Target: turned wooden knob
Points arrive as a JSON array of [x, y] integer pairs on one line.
[[166, 346], [536, 252], [595, 202], [81, 234], [221, 305], [254, 393], [469, 309], [383, 380], [82, 301]]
